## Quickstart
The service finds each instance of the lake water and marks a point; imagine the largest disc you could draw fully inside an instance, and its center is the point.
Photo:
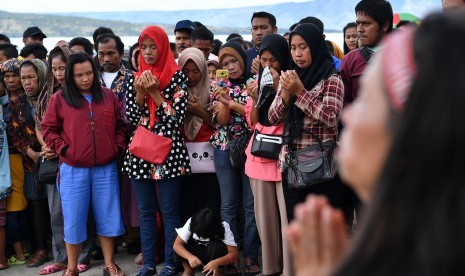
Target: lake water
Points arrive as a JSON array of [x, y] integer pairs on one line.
[[128, 41]]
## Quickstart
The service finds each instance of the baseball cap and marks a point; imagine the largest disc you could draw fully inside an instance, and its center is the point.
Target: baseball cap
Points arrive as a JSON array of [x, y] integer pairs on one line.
[[32, 31], [185, 24]]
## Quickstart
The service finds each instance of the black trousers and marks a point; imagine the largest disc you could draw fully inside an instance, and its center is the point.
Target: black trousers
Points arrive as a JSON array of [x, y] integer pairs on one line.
[[199, 191], [332, 189]]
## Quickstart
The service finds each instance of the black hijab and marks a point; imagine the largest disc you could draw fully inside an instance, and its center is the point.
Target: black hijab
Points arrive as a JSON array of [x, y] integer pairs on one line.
[[322, 67], [279, 48], [235, 49]]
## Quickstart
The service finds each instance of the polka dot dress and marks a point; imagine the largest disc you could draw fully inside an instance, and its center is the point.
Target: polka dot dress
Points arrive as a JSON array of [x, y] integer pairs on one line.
[[170, 117]]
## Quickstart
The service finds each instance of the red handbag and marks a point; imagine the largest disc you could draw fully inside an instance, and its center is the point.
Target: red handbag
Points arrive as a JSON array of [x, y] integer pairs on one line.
[[149, 146]]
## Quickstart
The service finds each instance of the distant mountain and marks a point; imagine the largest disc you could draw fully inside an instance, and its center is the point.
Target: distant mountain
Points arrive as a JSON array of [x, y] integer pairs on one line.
[[334, 13], [14, 24]]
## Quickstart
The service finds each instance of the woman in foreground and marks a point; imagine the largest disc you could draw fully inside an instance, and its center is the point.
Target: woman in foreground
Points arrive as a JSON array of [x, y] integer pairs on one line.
[[414, 187]]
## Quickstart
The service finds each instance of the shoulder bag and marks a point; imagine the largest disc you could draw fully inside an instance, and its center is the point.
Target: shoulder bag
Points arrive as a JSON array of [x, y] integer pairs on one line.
[[201, 157], [149, 146], [48, 171], [310, 165], [237, 148], [266, 145]]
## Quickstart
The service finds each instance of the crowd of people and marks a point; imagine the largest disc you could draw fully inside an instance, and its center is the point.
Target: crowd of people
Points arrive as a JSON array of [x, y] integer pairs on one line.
[[201, 154]]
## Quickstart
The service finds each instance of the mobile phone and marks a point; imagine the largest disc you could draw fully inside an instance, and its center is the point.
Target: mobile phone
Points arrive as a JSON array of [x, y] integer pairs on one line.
[[222, 74], [222, 80]]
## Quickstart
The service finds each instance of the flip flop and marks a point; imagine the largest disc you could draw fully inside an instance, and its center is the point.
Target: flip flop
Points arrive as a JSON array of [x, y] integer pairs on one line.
[[53, 268], [13, 261], [251, 269], [83, 267], [39, 259]]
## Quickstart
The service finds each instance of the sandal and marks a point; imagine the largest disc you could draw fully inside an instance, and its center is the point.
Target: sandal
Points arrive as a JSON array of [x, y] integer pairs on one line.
[[13, 261], [83, 267], [53, 268], [251, 269], [4, 265], [40, 258], [70, 272], [233, 270], [113, 270]]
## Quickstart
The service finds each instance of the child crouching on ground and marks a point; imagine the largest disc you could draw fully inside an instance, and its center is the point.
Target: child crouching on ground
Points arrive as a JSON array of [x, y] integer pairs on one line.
[[205, 240]]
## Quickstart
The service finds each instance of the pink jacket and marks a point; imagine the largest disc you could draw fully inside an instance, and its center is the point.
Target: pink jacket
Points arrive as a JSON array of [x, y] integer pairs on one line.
[[258, 167]]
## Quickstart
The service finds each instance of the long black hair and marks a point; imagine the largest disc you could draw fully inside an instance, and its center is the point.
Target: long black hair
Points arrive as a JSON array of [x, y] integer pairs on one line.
[[348, 26], [70, 91], [416, 220], [207, 223], [131, 51]]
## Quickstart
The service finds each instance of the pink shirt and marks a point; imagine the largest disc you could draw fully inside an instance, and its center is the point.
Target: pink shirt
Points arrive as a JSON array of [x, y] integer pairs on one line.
[[258, 167]]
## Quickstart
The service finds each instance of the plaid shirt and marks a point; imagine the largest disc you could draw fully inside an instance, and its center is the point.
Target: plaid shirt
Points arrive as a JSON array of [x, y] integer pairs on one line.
[[322, 106]]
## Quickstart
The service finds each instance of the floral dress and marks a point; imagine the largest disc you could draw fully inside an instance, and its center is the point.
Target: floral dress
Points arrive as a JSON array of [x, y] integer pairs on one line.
[[237, 124], [170, 118]]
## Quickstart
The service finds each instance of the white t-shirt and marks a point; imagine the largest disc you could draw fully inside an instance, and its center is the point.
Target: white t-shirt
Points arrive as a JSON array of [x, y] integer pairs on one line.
[[108, 78], [185, 233], [213, 57]]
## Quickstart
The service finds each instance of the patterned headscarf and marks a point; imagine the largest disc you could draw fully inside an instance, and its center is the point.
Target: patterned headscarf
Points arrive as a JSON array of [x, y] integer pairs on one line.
[[41, 72], [398, 66], [51, 83], [11, 65]]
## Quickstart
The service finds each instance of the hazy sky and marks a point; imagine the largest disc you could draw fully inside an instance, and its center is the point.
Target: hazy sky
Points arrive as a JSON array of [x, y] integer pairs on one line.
[[47, 6]]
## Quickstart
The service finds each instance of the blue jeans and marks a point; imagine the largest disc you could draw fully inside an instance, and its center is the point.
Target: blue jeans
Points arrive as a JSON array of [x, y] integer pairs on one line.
[[229, 180], [148, 202]]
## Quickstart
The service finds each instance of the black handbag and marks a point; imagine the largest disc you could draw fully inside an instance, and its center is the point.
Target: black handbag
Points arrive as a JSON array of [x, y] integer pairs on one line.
[[266, 145], [311, 165], [48, 170], [237, 148]]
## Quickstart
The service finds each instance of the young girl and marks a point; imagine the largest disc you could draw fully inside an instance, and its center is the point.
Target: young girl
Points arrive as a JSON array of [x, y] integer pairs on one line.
[[350, 37], [83, 126], [205, 240], [213, 65], [55, 81]]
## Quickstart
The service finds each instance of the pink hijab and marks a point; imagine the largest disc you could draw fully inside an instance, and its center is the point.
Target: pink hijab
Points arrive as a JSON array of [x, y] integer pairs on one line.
[[398, 66]]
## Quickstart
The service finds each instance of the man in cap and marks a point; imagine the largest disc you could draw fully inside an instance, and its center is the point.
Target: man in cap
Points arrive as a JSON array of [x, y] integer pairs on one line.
[[33, 35], [182, 33]]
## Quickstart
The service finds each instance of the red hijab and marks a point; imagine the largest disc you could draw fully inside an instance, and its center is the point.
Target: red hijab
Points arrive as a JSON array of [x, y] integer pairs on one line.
[[163, 69]]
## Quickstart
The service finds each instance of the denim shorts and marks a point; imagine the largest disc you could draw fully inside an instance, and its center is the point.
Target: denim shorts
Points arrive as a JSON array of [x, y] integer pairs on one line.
[[83, 187]]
